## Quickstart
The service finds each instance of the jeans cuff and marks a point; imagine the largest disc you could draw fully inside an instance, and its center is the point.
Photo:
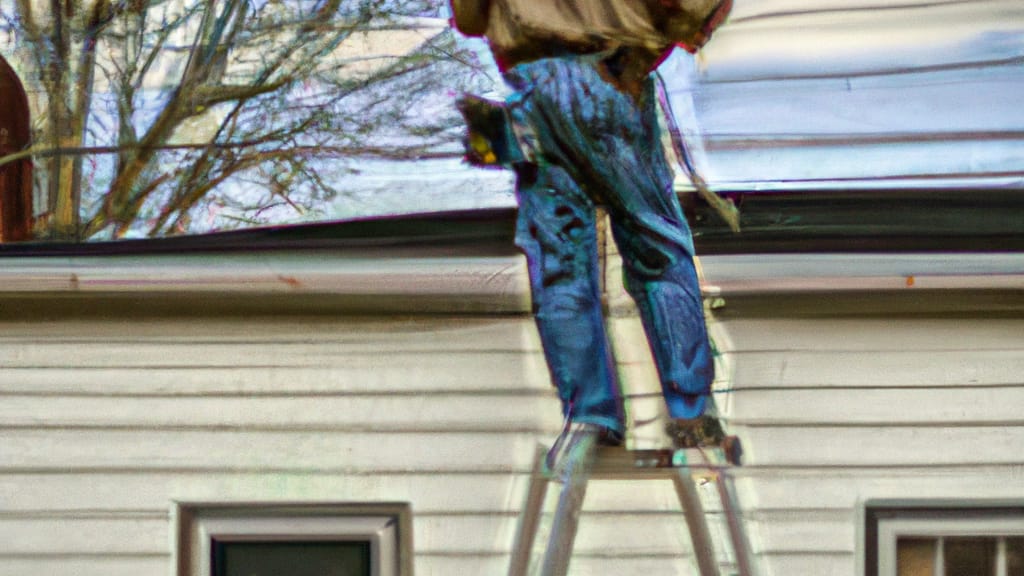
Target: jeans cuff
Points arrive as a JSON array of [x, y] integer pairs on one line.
[[608, 422]]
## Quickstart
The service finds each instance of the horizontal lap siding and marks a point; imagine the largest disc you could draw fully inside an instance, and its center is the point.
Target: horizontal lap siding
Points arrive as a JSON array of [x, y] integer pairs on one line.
[[424, 412], [437, 532], [86, 565], [836, 411], [105, 425]]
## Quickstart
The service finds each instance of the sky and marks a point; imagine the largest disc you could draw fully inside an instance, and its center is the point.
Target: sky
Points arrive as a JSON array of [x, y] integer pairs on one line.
[[789, 95]]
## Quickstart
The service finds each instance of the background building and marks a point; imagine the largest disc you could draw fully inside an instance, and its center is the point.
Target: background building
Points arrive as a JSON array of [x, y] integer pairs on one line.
[[380, 381]]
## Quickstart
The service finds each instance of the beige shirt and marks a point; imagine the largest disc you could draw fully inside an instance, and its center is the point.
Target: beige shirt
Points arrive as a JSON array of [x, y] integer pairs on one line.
[[519, 29]]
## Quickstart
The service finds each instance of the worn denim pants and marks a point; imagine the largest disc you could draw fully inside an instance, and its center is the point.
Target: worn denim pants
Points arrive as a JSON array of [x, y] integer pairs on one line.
[[587, 144]]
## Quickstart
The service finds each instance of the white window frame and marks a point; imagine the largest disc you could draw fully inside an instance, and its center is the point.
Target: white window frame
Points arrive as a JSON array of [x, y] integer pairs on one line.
[[889, 522], [387, 528]]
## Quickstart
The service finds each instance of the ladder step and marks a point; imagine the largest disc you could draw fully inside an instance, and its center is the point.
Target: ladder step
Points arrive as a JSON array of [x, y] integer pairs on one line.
[[620, 463], [590, 461]]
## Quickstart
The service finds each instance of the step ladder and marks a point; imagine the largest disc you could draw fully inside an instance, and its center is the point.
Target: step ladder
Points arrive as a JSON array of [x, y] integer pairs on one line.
[[586, 460]]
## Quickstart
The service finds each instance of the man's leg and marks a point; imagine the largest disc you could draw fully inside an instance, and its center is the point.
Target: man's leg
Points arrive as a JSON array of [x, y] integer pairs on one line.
[[668, 297], [656, 246], [610, 141], [556, 230]]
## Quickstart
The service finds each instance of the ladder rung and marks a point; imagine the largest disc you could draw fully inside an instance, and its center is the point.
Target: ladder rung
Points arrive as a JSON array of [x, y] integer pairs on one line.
[[636, 464], [681, 466]]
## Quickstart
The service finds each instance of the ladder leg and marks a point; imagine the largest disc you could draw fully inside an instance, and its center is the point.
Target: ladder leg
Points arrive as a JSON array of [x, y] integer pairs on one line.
[[574, 470], [695, 520], [740, 545], [530, 518]]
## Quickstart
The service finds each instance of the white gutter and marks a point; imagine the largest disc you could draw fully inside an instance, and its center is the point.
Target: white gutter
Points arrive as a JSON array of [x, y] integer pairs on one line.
[[496, 284], [476, 284], [800, 273]]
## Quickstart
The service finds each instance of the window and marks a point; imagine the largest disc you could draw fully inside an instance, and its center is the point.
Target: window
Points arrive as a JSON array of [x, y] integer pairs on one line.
[[926, 540], [269, 558], [306, 540]]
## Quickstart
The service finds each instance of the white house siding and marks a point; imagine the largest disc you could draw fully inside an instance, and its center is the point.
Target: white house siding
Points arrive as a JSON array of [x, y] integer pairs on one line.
[[107, 423], [842, 396], [837, 411], [109, 419], [130, 385]]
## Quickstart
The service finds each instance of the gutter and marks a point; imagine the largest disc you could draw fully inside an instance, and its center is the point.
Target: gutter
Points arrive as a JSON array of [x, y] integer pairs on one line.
[[446, 263], [744, 274]]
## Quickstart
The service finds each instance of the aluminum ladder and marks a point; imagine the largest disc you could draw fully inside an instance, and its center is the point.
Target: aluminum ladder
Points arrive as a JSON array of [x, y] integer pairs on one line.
[[586, 460]]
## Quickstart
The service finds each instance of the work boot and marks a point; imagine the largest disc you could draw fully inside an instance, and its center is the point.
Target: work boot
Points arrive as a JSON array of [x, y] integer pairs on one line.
[[705, 431]]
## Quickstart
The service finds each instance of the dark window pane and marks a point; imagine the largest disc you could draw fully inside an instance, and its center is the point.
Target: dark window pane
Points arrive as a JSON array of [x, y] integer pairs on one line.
[[915, 556], [970, 556], [1015, 557], [291, 559]]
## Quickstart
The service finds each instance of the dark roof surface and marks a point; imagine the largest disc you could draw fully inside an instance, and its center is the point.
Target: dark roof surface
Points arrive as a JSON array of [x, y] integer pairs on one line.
[[827, 221]]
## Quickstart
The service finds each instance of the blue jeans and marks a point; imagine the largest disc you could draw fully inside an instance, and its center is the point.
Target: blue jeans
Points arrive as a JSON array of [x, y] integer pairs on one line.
[[588, 144]]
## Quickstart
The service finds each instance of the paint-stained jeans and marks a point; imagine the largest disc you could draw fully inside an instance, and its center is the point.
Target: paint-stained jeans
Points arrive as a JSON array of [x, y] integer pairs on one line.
[[592, 144]]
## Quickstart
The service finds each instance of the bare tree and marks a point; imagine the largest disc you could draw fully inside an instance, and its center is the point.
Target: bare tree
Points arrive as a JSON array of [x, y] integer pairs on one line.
[[159, 111]]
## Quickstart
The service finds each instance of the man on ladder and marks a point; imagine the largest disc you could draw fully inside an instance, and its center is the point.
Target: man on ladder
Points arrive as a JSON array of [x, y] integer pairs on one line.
[[580, 130]]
